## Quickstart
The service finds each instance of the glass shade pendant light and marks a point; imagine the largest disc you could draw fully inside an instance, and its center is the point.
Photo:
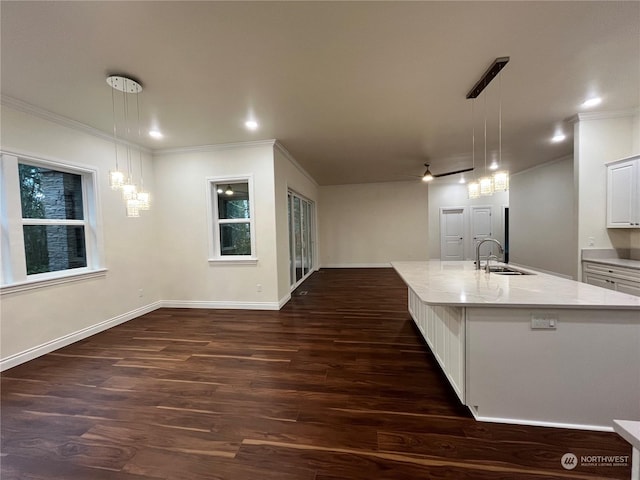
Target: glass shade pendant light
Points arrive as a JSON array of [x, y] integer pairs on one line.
[[486, 186], [116, 177], [134, 200], [473, 187], [501, 177], [501, 181], [129, 191], [133, 208], [143, 197], [144, 200], [486, 182]]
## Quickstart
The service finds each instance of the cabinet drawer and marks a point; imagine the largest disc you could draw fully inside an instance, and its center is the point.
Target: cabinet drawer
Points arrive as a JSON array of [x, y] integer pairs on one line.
[[624, 273]]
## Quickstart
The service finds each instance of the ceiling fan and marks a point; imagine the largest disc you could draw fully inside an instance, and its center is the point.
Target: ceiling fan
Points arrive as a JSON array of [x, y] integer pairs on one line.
[[428, 176]]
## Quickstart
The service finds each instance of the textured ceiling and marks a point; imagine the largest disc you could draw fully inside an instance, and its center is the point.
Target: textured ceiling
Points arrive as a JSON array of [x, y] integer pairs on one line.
[[356, 91]]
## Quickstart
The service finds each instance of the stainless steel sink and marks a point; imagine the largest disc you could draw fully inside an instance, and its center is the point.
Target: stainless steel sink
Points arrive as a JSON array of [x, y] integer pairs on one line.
[[502, 270]]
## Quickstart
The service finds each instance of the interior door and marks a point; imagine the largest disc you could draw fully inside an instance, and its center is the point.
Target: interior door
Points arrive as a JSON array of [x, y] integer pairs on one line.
[[481, 229], [452, 234]]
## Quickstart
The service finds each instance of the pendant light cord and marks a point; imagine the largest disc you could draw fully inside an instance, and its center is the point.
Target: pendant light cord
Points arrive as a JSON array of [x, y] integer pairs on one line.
[[139, 140], [500, 120], [115, 130], [125, 103], [473, 137], [485, 134]]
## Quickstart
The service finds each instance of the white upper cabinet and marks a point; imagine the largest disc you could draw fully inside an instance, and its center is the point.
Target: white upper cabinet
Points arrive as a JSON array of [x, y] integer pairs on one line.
[[623, 193]]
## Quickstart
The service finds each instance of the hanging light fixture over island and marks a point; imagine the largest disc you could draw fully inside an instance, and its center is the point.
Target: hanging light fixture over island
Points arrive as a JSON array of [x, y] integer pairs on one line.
[[498, 181]]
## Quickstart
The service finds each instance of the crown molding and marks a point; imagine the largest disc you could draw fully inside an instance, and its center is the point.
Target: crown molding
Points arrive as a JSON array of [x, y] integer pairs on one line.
[[278, 146], [214, 147], [603, 115], [21, 106]]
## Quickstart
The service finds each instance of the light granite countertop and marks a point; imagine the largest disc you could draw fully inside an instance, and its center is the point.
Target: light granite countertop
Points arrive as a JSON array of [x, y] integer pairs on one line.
[[459, 284], [616, 262]]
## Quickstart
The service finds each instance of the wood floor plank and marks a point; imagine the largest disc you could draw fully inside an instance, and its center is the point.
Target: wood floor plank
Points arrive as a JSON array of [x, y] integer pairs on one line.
[[336, 385]]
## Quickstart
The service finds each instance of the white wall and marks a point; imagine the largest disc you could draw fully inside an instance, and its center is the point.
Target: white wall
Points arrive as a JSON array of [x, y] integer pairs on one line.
[[542, 220], [188, 278], [598, 140], [289, 175], [35, 318], [373, 224], [455, 195]]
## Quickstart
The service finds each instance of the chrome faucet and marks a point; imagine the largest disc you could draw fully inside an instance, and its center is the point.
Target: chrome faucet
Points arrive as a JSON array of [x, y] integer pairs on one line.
[[487, 267], [478, 249]]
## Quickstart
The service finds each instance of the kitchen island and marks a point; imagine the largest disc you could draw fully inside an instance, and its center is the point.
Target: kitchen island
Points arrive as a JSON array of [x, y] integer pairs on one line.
[[532, 349]]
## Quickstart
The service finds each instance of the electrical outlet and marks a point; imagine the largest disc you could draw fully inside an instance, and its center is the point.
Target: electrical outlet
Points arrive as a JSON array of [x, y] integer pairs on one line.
[[140, 293], [544, 322], [591, 241], [258, 288]]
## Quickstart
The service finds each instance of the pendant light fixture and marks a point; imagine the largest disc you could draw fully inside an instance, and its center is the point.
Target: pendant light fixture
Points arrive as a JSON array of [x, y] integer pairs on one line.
[[473, 187], [486, 182], [116, 177], [501, 177], [499, 181], [134, 200]]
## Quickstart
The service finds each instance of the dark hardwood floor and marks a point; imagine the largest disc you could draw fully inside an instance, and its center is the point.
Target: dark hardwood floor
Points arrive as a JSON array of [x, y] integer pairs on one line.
[[336, 385]]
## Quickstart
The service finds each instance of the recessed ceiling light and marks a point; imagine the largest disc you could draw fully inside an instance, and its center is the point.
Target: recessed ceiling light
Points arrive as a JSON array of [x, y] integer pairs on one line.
[[592, 102], [558, 137], [155, 133], [251, 124]]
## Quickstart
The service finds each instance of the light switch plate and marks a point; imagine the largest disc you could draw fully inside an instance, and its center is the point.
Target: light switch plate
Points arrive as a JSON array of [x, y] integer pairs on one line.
[[544, 321]]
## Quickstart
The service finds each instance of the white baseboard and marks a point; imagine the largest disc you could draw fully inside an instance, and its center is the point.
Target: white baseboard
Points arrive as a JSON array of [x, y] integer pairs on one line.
[[34, 352], [283, 301], [537, 423], [221, 305], [357, 265]]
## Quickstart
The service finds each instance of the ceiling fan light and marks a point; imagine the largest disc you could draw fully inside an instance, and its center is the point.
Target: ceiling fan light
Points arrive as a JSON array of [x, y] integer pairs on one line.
[[427, 177]]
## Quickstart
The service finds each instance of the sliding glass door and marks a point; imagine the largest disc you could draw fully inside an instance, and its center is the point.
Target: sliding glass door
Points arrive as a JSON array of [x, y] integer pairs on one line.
[[301, 238]]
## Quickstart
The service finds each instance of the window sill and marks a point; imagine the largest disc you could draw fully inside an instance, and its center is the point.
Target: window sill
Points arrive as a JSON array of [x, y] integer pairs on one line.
[[233, 261], [47, 282]]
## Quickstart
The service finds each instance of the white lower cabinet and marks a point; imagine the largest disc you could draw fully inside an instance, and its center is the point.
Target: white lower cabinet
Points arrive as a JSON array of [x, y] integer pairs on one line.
[[620, 279], [443, 329]]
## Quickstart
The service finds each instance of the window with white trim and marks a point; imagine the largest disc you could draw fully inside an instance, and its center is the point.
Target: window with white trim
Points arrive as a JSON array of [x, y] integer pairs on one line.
[[232, 232], [48, 220]]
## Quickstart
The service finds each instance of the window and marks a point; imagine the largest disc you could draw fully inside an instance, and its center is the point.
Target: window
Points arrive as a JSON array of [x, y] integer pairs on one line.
[[52, 219], [48, 220], [231, 219]]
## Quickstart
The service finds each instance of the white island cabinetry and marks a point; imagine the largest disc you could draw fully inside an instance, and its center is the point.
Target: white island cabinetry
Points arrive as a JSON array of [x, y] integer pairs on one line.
[[443, 329], [529, 349]]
